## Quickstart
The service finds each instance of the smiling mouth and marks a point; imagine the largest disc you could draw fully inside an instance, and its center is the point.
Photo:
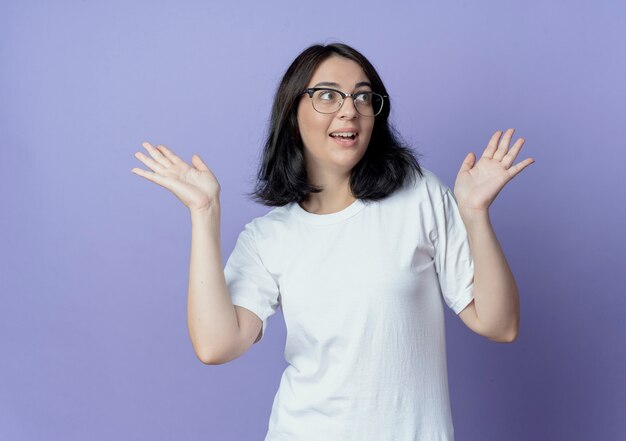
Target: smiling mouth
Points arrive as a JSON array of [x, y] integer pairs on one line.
[[349, 137]]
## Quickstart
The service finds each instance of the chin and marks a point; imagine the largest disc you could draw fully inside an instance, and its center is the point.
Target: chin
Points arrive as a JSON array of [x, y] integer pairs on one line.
[[347, 163]]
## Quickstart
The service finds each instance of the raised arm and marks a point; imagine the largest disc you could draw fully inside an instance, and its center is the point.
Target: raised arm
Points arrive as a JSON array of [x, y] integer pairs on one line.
[[218, 330], [495, 311]]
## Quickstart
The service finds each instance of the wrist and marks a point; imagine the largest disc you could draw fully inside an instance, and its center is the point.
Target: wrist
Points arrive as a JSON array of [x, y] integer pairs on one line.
[[473, 215], [208, 213]]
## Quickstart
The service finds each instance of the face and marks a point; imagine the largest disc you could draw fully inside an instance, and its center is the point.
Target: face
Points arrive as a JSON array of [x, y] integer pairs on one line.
[[324, 153]]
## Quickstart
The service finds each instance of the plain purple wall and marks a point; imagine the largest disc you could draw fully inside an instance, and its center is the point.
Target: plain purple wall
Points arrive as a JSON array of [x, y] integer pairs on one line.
[[95, 260]]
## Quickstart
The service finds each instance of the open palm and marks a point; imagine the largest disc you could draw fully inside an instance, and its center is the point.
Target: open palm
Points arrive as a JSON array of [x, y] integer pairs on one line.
[[196, 186], [477, 185]]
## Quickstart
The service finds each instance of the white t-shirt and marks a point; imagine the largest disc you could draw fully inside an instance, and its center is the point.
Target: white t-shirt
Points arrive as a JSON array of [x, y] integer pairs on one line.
[[361, 294]]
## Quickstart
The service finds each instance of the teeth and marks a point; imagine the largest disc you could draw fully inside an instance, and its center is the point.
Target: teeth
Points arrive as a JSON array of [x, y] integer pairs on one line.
[[343, 134]]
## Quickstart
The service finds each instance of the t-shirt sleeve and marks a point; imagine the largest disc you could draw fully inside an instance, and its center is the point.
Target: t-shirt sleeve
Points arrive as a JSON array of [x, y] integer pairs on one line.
[[453, 258], [249, 283]]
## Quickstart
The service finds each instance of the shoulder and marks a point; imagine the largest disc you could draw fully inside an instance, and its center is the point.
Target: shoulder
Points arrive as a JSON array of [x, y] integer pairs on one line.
[[266, 226], [432, 182], [427, 187]]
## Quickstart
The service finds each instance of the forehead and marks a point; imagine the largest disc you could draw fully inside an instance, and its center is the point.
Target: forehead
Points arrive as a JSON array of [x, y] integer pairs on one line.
[[340, 70]]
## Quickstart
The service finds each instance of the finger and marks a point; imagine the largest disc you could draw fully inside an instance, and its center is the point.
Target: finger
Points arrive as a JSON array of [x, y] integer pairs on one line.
[[468, 162], [151, 163], [170, 155], [492, 145], [172, 185], [156, 154], [509, 158], [504, 145], [199, 163], [157, 179], [201, 166], [520, 166]]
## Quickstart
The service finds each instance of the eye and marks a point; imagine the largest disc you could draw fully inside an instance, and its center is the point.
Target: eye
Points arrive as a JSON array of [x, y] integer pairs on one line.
[[364, 97], [327, 95]]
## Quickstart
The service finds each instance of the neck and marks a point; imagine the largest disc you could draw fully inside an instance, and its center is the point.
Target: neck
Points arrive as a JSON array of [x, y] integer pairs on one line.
[[335, 196]]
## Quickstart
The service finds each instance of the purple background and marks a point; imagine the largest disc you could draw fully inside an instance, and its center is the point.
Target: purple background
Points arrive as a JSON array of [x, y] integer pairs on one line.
[[95, 260]]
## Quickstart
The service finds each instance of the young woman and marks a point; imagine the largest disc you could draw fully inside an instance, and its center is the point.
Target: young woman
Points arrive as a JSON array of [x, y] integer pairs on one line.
[[362, 246]]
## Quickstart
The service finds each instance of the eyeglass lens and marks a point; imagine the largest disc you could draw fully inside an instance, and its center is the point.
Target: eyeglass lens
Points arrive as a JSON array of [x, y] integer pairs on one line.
[[329, 101]]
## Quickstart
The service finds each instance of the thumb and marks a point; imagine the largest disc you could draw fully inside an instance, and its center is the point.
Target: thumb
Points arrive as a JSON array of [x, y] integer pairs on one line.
[[198, 163], [468, 162]]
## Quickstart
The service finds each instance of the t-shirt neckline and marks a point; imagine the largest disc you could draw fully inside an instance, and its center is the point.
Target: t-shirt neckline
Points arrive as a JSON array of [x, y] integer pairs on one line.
[[325, 219]]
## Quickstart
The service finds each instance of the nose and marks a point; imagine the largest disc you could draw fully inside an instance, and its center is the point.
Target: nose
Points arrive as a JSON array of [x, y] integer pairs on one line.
[[347, 109]]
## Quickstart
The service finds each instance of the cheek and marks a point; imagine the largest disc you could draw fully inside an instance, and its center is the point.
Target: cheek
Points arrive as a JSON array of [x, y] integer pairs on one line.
[[312, 126], [369, 131]]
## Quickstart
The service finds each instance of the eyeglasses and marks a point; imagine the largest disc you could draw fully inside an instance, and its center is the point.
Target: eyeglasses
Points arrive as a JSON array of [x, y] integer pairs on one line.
[[326, 100]]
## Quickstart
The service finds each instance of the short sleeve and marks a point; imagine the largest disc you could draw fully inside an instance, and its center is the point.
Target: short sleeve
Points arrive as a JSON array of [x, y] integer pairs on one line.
[[249, 283], [453, 258]]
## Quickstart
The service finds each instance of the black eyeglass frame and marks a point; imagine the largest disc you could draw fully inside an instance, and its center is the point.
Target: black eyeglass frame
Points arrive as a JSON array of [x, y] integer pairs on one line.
[[311, 90]]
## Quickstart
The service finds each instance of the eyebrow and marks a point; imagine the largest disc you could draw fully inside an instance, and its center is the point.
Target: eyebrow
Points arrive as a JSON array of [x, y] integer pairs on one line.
[[326, 83]]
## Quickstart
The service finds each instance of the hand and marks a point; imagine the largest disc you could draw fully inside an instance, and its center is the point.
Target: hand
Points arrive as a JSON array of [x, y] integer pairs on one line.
[[477, 186], [196, 186]]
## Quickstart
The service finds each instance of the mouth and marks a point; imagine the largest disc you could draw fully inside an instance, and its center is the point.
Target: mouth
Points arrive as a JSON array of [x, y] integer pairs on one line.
[[344, 136], [345, 139]]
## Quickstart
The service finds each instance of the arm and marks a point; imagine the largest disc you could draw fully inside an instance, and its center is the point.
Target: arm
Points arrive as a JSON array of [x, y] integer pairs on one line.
[[219, 332], [495, 311], [213, 321], [496, 302]]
